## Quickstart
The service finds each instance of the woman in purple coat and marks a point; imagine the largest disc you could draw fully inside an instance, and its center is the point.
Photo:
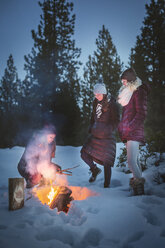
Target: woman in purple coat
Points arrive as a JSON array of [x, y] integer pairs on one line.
[[133, 98], [100, 146]]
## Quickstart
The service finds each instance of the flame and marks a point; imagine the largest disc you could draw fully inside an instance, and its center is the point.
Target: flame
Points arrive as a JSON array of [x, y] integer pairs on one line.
[[52, 194], [50, 190]]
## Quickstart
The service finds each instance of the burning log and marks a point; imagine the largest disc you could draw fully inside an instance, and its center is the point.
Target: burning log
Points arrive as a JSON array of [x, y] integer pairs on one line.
[[16, 193], [61, 199]]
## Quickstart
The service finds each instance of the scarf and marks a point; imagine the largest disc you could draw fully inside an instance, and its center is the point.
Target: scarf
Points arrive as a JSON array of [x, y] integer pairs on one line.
[[125, 92], [102, 106]]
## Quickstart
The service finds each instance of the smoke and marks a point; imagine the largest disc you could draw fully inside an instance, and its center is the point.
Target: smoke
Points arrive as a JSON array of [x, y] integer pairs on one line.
[[47, 170], [38, 157], [38, 153], [61, 180]]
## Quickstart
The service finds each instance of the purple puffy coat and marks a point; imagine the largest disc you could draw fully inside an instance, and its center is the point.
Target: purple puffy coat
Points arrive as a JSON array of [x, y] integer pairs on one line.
[[101, 144], [134, 113]]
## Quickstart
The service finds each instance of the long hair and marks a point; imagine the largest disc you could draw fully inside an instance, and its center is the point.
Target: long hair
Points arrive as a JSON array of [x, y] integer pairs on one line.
[[104, 102]]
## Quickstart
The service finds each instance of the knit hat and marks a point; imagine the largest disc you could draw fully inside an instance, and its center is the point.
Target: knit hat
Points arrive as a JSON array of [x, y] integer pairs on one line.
[[49, 129], [99, 88], [129, 75]]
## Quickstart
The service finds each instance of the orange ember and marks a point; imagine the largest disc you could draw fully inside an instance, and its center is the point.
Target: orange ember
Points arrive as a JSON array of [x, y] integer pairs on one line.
[[59, 193], [81, 193], [47, 193]]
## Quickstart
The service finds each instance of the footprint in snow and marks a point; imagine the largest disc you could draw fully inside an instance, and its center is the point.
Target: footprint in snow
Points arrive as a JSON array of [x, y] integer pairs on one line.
[[29, 222], [160, 194], [44, 220], [143, 206], [162, 234], [151, 219], [20, 225], [107, 243], [151, 200], [75, 216], [92, 210], [56, 233], [115, 183], [3, 227], [133, 238], [91, 238], [152, 191]]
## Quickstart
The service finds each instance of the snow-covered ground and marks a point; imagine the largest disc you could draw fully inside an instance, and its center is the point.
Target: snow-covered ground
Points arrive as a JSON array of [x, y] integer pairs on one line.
[[112, 219]]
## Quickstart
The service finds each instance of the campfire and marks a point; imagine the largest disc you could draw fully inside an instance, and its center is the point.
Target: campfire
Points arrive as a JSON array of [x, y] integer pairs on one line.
[[59, 195]]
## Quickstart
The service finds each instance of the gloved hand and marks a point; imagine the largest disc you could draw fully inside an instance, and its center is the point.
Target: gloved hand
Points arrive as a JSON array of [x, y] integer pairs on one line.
[[58, 168]]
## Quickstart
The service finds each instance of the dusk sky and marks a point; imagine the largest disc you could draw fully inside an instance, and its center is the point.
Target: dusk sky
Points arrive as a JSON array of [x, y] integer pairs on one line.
[[123, 19]]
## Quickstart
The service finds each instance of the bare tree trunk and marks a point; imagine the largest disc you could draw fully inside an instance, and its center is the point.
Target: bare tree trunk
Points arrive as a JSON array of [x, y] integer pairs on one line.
[[16, 193]]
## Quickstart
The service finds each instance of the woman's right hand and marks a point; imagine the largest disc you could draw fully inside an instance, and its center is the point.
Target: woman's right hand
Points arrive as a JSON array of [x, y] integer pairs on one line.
[[58, 167]]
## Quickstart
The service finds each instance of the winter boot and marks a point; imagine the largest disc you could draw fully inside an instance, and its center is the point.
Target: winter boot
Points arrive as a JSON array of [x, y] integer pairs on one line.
[[95, 172], [137, 185]]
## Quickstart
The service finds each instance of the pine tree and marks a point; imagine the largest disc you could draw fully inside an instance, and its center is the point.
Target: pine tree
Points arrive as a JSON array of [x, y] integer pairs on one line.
[[9, 87], [29, 110], [9, 92], [148, 59], [148, 56], [103, 66], [107, 61], [53, 63]]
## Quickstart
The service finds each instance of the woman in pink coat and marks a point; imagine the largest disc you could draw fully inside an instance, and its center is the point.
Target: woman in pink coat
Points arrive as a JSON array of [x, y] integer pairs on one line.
[[133, 98]]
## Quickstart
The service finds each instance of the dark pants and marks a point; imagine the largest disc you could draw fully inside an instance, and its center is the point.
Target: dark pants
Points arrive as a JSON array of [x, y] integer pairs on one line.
[[107, 175], [89, 161], [22, 169], [34, 179]]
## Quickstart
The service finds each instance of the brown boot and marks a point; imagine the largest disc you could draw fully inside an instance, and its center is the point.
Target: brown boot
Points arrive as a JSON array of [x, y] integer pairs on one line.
[[137, 185], [95, 172]]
